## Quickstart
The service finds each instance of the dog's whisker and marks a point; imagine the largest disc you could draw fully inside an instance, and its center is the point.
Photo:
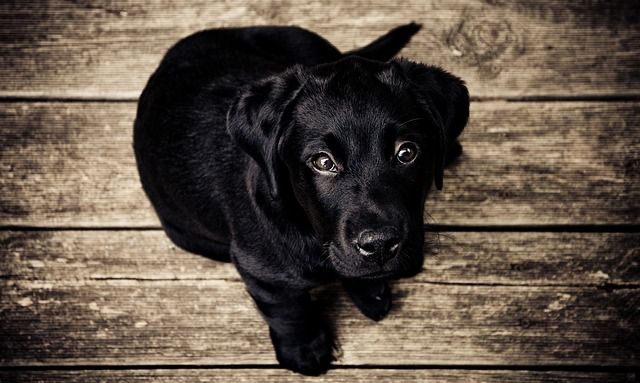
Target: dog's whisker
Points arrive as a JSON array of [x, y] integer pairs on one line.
[[410, 121], [323, 260], [325, 255]]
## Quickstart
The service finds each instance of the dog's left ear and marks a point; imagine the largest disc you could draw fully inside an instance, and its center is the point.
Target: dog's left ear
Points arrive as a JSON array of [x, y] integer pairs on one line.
[[258, 117], [445, 97]]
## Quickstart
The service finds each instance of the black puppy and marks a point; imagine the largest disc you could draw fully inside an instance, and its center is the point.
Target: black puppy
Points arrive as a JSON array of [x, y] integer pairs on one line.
[[268, 147]]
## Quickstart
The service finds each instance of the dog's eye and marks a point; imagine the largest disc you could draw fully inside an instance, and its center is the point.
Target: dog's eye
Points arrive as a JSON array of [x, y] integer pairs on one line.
[[406, 152], [323, 163]]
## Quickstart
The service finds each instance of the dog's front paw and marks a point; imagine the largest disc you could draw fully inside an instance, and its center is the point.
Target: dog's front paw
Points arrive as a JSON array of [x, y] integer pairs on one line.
[[373, 299], [308, 354]]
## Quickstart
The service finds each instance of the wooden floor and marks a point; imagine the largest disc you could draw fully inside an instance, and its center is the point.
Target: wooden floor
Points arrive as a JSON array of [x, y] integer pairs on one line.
[[537, 271]]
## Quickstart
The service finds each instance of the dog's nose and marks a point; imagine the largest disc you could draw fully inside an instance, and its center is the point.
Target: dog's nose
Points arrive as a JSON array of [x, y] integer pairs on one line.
[[379, 245]]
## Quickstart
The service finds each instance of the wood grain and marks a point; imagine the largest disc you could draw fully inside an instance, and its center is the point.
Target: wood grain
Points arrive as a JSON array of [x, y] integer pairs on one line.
[[127, 305], [333, 376], [528, 259], [525, 163], [106, 49], [213, 322]]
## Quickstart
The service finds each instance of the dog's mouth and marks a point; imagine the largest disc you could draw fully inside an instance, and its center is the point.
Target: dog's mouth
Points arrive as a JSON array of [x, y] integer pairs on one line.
[[378, 275], [354, 266]]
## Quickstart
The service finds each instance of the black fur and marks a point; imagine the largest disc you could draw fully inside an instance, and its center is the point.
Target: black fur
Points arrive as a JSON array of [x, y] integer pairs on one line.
[[226, 134]]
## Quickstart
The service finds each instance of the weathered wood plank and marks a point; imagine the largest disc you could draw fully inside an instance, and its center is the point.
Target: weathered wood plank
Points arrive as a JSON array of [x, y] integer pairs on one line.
[[524, 163], [333, 376], [462, 258], [214, 322], [108, 49]]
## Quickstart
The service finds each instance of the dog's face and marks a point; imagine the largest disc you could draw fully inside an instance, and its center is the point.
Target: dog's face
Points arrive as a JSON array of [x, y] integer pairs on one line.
[[359, 143]]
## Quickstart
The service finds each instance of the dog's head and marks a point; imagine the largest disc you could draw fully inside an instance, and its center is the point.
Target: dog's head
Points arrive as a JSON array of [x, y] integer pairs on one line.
[[358, 143]]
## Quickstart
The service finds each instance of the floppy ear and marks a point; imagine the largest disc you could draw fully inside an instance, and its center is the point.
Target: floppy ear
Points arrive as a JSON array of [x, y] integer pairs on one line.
[[257, 119], [446, 98]]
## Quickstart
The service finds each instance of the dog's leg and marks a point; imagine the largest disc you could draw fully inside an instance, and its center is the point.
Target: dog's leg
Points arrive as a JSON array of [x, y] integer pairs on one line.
[[373, 298], [301, 339]]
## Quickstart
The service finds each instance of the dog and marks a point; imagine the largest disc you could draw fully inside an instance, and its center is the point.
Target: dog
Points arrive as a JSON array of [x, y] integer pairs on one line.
[[269, 148]]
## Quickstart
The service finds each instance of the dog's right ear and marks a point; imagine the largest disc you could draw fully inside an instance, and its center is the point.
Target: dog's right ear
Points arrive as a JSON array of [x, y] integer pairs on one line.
[[258, 117], [445, 97]]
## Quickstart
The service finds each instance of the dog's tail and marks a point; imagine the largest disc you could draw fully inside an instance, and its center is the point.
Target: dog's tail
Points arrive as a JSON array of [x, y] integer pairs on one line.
[[388, 45]]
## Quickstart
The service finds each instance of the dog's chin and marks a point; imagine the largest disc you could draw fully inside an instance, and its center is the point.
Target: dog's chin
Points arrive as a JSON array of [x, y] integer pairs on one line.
[[348, 265]]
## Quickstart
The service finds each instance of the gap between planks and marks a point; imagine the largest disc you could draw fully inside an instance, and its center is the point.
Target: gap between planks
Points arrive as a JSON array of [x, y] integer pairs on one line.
[[342, 375], [578, 228], [542, 98], [270, 366]]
